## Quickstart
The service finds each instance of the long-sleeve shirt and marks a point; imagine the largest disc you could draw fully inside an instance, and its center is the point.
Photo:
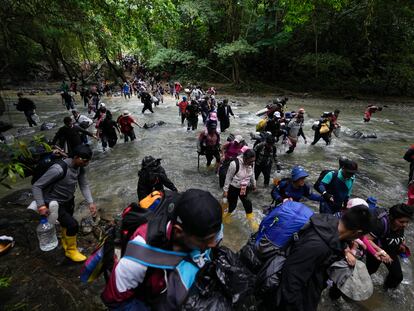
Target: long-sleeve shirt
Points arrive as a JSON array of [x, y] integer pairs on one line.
[[328, 178], [70, 135], [285, 189], [244, 175], [51, 186]]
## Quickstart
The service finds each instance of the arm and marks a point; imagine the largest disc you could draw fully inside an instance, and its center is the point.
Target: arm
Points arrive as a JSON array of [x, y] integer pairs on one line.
[[231, 111], [301, 133], [124, 279], [275, 159], [79, 129], [310, 195], [167, 182], [325, 182], [84, 186], [52, 174], [276, 195], [229, 176]]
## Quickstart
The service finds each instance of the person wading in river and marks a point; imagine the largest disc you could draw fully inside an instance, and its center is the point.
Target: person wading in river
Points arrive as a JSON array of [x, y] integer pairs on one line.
[[28, 107], [59, 184]]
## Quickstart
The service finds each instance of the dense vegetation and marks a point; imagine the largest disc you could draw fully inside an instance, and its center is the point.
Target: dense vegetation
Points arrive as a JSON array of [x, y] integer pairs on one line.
[[342, 45]]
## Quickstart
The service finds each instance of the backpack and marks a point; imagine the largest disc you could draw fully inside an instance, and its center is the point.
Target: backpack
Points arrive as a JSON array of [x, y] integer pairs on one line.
[[283, 223], [43, 166], [321, 176], [133, 216]]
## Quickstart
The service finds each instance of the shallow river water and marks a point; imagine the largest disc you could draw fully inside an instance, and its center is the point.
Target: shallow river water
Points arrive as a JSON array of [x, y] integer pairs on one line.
[[382, 171]]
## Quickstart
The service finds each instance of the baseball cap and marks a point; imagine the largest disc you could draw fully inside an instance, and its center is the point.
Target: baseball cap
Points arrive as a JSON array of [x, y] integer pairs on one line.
[[238, 138], [198, 213]]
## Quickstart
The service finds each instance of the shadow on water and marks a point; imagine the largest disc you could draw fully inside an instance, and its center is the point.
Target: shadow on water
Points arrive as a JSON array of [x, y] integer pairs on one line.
[[383, 173]]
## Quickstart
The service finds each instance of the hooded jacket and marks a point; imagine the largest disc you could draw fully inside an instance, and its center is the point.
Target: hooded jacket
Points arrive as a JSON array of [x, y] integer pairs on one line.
[[304, 273]]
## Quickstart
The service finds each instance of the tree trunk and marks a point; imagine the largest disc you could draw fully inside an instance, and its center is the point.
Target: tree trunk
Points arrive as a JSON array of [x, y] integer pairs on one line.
[[236, 71], [118, 72]]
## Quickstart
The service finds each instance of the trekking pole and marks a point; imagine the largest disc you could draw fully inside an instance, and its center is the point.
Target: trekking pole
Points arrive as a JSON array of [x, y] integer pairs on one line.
[[198, 162]]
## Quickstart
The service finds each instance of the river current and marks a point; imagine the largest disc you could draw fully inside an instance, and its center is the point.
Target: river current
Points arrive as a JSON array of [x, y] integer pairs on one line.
[[113, 175]]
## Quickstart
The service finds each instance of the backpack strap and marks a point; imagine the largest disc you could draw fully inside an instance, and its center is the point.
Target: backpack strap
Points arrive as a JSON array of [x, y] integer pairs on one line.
[[236, 160], [154, 257]]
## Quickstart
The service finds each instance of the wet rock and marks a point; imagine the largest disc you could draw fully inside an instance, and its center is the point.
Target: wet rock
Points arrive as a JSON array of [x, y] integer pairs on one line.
[[46, 126], [41, 280]]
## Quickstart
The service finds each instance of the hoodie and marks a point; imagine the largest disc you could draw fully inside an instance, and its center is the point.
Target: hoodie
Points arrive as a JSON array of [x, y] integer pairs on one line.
[[304, 273]]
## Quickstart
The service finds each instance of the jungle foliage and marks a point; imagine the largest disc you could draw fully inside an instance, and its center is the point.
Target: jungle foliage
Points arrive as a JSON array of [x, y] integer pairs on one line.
[[342, 45]]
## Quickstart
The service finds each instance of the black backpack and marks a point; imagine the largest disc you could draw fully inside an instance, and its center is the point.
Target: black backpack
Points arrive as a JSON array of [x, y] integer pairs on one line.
[[321, 176], [42, 167], [134, 216]]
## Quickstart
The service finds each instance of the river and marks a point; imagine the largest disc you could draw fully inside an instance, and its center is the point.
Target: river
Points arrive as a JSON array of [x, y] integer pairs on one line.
[[382, 171]]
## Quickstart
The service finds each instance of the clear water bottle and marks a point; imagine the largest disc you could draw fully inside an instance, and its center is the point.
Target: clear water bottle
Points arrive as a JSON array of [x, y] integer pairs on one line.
[[46, 233], [407, 269]]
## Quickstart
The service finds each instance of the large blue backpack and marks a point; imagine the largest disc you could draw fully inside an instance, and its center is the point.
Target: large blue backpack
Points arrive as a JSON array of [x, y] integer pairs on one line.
[[283, 223]]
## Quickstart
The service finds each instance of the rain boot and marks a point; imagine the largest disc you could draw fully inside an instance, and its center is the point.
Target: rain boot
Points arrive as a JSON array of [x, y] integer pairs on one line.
[[252, 222], [71, 250], [227, 218], [63, 238]]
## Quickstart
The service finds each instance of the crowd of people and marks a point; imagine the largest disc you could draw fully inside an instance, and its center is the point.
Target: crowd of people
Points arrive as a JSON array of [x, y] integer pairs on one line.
[[165, 252]]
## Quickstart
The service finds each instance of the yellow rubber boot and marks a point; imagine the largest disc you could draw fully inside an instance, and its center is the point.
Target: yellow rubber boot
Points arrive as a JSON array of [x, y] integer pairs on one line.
[[252, 222], [63, 238], [227, 218], [71, 250]]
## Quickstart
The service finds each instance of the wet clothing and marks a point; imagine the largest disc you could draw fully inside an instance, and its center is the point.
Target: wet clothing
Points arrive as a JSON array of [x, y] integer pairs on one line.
[[183, 108], [390, 241], [68, 100], [264, 159], [409, 157], [108, 132], [340, 188], [50, 187], [192, 110], [125, 123], [28, 107], [369, 111], [325, 136], [209, 145], [273, 126], [237, 184], [146, 99], [151, 179], [223, 115], [294, 131], [286, 190], [71, 136], [304, 273], [205, 109]]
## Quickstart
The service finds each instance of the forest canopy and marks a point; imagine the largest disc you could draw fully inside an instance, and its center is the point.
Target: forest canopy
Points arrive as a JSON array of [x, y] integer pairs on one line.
[[359, 45]]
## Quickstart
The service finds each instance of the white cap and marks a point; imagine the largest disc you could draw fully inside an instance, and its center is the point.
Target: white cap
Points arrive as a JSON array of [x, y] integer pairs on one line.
[[126, 113], [277, 114], [355, 202], [238, 138], [102, 105]]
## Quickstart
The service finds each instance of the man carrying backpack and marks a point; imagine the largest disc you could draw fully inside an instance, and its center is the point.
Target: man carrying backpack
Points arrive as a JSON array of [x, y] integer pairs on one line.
[[152, 177], [265, 156], [336, 187], [164, 255], [319, 244], [323, 129], [83, 122], [28, 107], [239, 181], [69, 135], [59, 183]]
